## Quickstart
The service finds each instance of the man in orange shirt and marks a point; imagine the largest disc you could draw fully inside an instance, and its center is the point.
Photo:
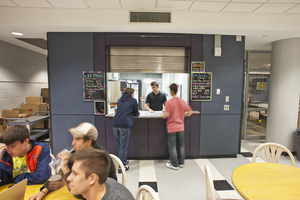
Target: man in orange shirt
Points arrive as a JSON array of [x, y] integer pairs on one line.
[[176, 110]]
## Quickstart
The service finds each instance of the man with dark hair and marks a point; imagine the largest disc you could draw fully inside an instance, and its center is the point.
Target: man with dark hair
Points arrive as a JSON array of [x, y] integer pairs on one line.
[[155, 100], [21, 157], [175, 110], [84, 137], [89, 177], [127, 107]]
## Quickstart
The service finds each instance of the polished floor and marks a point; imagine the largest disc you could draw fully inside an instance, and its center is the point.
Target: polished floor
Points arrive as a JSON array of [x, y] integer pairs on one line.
[[189, 182]]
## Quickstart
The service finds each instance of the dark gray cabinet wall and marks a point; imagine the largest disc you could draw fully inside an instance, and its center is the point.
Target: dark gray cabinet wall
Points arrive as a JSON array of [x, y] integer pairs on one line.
[[69, 54], [220, 130], [212, 133]]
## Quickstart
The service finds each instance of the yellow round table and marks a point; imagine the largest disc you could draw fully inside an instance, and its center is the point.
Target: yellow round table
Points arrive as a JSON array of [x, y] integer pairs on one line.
[[61, 194], [267, 181]]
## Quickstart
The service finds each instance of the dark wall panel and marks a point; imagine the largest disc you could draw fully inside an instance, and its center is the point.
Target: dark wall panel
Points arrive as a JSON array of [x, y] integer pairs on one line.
[[111, 144], [227, 74], [195, 135], [99, 51], [219, 135], [101, 127], [61, 124], [69, 55], [158, 140], [148, 39], [138, 145]]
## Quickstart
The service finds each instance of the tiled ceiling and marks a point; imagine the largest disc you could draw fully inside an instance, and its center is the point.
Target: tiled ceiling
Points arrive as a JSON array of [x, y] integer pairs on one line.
[[58, 15], [248, 6]]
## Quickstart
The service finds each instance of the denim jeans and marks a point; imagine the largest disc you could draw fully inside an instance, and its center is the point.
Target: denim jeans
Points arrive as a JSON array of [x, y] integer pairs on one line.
[[174, 159], [122, 138]]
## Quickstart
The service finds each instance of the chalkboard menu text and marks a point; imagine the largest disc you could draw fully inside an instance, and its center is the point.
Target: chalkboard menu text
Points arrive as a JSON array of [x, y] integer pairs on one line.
[[93, 85], [201, 86]]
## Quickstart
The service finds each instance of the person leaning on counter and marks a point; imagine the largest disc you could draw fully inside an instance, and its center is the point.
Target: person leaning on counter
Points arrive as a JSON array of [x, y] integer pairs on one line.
[[155, 100]]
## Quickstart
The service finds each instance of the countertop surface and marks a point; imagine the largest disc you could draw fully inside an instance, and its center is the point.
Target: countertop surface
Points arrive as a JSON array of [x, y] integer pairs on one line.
[[143, 114]]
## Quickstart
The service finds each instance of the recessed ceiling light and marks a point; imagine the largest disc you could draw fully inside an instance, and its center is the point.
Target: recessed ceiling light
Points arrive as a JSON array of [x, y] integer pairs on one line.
[[265, 35], [16, 33]]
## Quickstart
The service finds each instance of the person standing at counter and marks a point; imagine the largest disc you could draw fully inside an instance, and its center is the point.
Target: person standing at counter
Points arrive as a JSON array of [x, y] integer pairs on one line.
[[127, 108], [176, 110], [155, 100]]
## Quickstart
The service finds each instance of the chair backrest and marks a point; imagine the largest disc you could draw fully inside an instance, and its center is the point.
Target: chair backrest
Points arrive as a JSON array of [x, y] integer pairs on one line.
[[276, 151], [52, 156], [145, 192], [118, 163], [210, 189]]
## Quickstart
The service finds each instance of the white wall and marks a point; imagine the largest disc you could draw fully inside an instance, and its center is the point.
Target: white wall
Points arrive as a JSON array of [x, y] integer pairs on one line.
[[22, 73]]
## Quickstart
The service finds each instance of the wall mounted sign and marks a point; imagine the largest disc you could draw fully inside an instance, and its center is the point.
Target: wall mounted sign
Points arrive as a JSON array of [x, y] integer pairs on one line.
[[201, 86], [93, 85], [198, 66]]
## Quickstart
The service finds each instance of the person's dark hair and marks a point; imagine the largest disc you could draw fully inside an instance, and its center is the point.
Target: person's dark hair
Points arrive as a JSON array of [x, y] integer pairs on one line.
[[154, 83], [85, 138], [173, 87], [94, 162], [15, 133], [128, 89]]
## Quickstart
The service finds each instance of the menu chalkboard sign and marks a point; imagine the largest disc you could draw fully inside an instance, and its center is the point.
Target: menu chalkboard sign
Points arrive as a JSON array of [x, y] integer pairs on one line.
[[93, 85], [201, 85]]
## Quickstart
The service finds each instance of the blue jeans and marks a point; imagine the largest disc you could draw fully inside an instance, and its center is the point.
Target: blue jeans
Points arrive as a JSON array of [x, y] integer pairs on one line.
[[174, 159], [122, 138]]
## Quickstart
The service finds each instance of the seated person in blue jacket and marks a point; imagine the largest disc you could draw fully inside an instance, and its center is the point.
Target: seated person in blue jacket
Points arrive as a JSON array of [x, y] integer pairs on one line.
[[84, 137], [22, 158], [89, 177], [127, 108]]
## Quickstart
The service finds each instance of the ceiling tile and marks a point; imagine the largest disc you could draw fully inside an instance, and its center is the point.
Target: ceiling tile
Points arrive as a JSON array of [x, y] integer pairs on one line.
[[241, 7], [103, 3], [295, 9], [208, 6], [32, 3], [68, 3], [178, 5], [274, 8], [213, 1], [138, 4], [249, 1], [283, 1], [7, 3]]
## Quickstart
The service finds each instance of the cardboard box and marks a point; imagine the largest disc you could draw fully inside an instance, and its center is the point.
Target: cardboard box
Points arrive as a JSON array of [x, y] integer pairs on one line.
[[10, 113], [3, 125], [21, 111], [23, 115], [45, 94], [34, 100], [31, 108]]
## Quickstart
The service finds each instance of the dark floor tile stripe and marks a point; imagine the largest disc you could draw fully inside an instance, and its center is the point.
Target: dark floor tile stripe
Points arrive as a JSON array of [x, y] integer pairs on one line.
[[222, 185], [247, 154], [151, 184]]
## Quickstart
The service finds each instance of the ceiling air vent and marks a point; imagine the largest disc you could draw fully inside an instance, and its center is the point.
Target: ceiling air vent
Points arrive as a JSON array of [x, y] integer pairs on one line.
[[152, 17]]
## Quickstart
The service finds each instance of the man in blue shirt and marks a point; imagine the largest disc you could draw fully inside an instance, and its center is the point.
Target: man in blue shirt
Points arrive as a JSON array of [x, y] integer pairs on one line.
[[127, 108]]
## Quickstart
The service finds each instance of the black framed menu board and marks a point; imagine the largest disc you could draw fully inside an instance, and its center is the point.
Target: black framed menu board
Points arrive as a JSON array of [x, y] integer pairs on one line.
[[93, 85], [201, 86]]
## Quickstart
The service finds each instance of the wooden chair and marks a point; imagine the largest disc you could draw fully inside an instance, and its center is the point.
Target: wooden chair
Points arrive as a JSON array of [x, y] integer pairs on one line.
[[276, 151], [118, 163], [145, 192]]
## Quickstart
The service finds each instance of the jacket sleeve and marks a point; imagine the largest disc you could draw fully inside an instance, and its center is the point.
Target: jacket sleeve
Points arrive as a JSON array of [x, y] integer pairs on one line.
[[5, 170], [42, 172], [136, 109]]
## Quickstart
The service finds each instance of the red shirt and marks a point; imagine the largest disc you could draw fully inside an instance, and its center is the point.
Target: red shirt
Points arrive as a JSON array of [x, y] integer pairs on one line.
[[176, 107]]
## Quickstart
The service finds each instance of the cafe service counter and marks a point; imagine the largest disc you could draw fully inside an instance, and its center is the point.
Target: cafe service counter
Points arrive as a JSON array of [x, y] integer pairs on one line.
[[148, 136]]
